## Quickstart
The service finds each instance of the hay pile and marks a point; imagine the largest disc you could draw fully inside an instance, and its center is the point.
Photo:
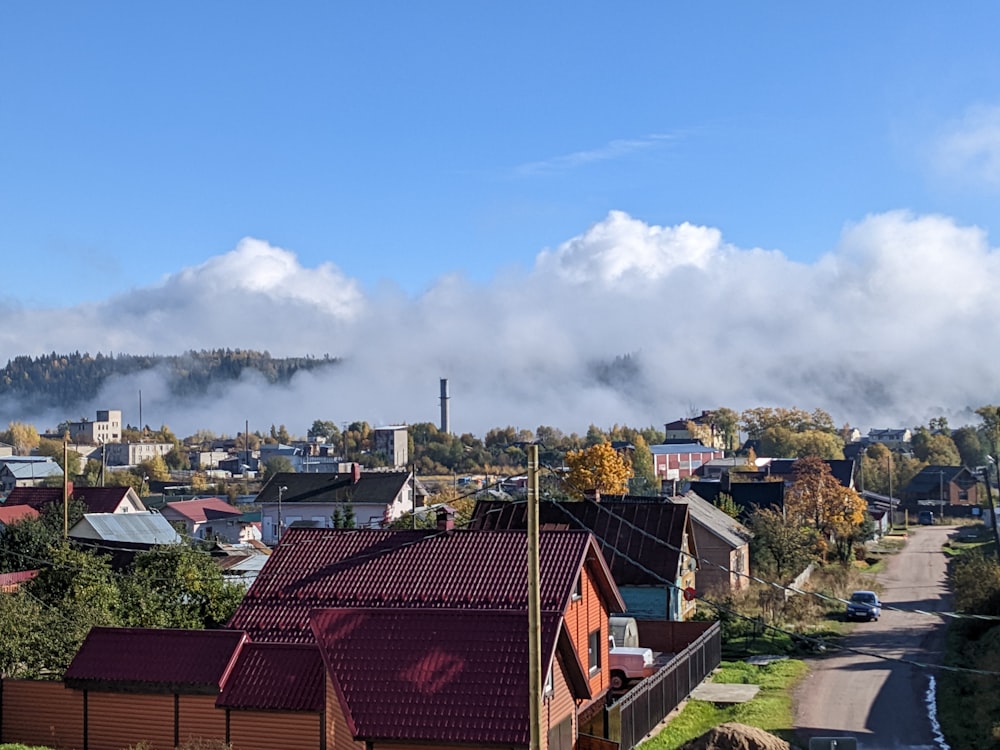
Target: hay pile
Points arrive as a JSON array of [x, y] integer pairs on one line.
[[735, 736]]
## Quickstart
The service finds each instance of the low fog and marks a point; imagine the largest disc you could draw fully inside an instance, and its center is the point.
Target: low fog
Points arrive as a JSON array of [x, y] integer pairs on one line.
[[626, 323]]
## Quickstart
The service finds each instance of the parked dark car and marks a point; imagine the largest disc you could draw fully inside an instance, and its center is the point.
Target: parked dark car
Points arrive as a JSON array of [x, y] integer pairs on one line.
[[926, 518], [864, 605]]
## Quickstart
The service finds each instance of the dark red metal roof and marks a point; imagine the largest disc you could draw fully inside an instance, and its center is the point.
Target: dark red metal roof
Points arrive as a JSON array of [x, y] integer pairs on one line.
[[151, 660], [432, 675], [36, 497], [276, 677], [319, 568], [640, 540], [100, 499]]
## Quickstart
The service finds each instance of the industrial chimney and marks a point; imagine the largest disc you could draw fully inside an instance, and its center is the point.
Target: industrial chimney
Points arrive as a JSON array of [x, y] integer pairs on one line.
[[445, 418]]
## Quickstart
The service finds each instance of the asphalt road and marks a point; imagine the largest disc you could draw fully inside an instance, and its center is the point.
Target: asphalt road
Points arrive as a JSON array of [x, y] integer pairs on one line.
[[880, 702]]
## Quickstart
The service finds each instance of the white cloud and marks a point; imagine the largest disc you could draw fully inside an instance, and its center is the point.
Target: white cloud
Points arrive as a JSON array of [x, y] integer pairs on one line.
[[892, 326], [970, 147]]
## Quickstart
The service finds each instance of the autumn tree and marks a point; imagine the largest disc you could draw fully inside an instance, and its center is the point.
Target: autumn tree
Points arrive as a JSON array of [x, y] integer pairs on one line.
[[644, 479], [816, 499], [54, 449], [22, 436], [598, 468]]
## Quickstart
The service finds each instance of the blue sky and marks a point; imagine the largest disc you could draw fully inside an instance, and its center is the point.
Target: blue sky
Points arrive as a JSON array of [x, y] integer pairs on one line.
[[436, 156]]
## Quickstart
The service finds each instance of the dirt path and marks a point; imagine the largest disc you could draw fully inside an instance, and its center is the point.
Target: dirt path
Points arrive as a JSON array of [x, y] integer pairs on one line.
[[880, 702]]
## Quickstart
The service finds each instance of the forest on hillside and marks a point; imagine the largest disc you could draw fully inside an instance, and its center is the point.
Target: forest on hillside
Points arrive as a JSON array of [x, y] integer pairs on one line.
[[70, 379]]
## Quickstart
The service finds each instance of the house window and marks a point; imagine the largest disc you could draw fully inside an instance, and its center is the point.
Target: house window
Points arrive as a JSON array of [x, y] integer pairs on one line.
[[594, 652], [578, 588], [549, 684]]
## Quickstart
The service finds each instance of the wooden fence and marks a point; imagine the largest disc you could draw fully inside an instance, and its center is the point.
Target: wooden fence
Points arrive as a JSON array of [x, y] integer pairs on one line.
[[633, 716]]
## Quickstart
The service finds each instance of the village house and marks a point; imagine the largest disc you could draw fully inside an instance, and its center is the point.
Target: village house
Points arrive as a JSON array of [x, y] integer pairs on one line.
[[649, 545], [373, 498]]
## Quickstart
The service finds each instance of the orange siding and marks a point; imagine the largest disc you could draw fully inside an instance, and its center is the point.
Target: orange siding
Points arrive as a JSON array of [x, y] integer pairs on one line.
[[584, 615], [559, 705], [268, 730], [338, 735], [200, 718], [42, 713], [117, 720]]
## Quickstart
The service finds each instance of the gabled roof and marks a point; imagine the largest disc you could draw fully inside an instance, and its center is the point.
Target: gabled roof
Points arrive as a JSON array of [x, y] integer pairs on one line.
[[930, 478], [374, 487], [319, 568], [714, 520], [155, 660], [33, 469], [276, 677], [16, 513], [443, 676], [200, 510], [627, 533], [106, 499], [36, 497], [145, 527]]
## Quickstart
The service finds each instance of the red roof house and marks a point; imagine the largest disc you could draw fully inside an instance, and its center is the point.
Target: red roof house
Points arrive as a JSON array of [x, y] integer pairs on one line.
[[467, 684], [205, 518], [97, 499], [14, 513]]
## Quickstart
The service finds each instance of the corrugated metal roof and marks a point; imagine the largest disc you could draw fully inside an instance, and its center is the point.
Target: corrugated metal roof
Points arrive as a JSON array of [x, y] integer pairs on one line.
[[16, 513], [276, 677], [153, 660], [34, 469], [317, 568], [626, 534], [716, 520], [432, 675], [144, 527], [12, 580]]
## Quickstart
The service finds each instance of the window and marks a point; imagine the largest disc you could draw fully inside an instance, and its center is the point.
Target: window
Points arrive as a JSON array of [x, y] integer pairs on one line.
[[594, 651], [549, 684], [578, 588]]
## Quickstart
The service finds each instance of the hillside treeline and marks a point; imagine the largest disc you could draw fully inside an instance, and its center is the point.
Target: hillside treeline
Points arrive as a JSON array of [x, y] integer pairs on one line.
[[66, 380]]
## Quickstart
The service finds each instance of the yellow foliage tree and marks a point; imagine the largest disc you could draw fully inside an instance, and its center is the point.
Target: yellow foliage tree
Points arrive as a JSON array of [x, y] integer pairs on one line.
[[598, 468], [817, 499]]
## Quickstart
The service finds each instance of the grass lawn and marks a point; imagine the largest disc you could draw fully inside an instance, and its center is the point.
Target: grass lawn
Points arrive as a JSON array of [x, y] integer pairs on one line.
[[4, 746], [771, 710]]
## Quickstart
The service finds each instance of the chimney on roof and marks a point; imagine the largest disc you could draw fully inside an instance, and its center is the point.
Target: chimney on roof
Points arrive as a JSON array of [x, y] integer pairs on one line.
[[445, 518], [355, 473]]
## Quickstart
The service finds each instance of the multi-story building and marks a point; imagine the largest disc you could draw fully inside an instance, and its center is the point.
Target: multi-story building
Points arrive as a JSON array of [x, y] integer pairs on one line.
[[107, 428]]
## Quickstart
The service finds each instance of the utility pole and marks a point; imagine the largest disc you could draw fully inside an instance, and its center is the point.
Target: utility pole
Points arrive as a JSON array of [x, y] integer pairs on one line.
[[281, 491], [65, 490], [534, 605], [888, 473], [941, 494]]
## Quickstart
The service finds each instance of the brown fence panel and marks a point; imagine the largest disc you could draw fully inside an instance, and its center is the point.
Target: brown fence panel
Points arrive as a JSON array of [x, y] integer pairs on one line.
[[267, 730], [199, 718], [41, 712], [649, 702], [117, 720]]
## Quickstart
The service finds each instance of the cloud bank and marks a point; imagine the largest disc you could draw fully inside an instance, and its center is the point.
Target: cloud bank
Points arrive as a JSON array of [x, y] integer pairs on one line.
[[626, 323]]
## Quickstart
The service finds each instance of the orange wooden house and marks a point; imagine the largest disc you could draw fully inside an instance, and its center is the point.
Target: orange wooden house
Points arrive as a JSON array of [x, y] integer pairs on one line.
[[354, 639]]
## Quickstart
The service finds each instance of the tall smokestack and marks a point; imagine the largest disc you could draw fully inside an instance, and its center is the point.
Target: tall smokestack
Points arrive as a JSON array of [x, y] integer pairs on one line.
[[445, 418]]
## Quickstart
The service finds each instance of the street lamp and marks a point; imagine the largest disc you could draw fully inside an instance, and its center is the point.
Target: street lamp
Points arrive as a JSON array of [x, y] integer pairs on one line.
[[281, 491]]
